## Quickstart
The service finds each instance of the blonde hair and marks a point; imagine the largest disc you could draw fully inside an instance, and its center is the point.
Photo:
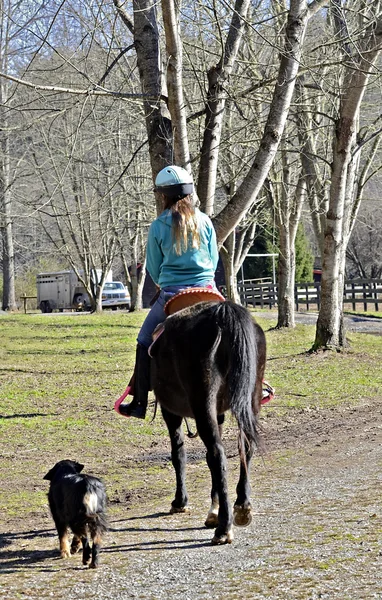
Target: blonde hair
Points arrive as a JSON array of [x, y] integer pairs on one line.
[[185, 228]]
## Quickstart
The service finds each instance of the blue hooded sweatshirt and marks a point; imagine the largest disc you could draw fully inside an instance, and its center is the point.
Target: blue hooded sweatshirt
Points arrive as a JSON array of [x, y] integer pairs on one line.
[[195, 266]]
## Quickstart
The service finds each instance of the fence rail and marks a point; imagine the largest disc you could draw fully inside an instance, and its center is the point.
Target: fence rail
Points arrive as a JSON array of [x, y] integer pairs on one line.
[[365, 293]]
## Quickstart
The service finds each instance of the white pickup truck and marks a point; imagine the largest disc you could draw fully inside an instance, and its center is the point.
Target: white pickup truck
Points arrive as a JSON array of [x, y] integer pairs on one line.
[[115, 294]]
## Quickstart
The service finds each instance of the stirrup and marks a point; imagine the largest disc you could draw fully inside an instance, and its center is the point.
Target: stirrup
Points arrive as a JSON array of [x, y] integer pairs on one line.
[[132, 410], [121, 399], [268, 392]]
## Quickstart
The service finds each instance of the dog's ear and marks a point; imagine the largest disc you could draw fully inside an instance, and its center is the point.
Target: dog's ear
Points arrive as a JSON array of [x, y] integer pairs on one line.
[[78, 467], [50, 474]]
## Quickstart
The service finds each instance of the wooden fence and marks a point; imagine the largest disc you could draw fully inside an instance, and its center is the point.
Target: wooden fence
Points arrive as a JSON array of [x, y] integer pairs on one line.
[[360, 294]]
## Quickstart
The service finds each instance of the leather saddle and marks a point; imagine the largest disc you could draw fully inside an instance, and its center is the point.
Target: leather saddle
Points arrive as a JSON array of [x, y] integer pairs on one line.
[[183, 299], [191, 296]]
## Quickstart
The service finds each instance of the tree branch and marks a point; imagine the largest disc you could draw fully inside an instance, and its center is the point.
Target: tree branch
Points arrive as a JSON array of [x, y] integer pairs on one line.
[[124, 16], [112, 65], [75, 91]]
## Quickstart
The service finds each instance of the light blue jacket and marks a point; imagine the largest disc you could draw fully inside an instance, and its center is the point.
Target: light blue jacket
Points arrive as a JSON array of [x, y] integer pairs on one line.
[[195, 266]]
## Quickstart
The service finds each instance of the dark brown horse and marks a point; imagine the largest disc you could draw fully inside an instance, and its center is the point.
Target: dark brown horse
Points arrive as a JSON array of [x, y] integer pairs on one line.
[[210, 359]]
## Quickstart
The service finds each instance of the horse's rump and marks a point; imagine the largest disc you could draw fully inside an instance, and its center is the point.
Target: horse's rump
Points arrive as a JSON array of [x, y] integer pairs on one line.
[[212, 350]]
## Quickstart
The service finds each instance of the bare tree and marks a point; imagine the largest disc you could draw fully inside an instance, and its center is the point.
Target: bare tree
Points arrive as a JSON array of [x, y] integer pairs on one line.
[[359, 63], [248, 190], [287, 191], [364, 251], [185, 105], [6, 224]]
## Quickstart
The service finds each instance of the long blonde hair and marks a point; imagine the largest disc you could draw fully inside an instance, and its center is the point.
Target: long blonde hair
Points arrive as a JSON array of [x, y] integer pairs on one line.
[[185, 228]]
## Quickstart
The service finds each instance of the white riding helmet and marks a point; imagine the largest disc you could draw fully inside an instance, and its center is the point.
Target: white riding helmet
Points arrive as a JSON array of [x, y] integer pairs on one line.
[[174, 182]]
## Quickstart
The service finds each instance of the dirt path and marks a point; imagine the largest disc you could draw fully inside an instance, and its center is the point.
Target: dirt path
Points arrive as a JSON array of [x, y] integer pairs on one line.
[[316, 531], [361, 323]]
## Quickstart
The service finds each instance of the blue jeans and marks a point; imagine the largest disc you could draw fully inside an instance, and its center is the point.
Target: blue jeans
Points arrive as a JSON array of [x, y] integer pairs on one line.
[[157, 314]]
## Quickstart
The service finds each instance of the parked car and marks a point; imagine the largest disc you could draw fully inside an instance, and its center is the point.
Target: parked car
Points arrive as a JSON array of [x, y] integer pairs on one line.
[[115, 295]]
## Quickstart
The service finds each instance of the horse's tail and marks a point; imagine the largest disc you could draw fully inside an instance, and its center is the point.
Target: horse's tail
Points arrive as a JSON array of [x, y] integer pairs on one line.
[[240, 347]]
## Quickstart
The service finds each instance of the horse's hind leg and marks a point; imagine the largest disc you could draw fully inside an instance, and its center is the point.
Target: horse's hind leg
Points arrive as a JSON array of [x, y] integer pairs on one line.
[[212, 517], [178, 458], [242, 507], [208, 430]]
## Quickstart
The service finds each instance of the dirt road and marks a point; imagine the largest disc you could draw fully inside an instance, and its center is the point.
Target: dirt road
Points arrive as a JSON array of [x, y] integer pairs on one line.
[[316, 531], [361, 323]]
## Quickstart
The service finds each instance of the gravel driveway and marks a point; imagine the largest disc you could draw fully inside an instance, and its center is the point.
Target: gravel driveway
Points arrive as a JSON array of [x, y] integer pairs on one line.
[[316, 531], [358, 323]]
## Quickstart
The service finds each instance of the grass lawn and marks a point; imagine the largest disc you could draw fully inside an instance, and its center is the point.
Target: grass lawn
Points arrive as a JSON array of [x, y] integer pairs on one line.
[[61, 373]]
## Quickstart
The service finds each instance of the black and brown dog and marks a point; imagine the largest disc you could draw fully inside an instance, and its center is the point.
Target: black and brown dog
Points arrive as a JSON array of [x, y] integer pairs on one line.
[[77, 501]]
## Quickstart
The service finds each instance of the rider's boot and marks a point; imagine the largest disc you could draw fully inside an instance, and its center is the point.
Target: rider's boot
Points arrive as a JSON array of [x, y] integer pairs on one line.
[[138, 405]]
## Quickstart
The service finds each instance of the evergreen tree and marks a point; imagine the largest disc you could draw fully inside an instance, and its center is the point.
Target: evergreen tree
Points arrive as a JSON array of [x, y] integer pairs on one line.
[[304, 256]]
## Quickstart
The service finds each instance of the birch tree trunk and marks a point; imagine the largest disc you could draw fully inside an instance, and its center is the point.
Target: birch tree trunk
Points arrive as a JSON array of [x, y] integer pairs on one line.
[[6, 224], [246, 195], [157, 116], [227, 254], [308, 156], [176, 105], [215, 108], [288, 214], [329, 331], [9, 296]]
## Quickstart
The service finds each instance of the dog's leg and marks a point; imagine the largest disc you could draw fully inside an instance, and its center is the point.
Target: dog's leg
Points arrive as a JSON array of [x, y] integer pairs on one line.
[[76, 544], [86, 550], [97, 540], [64, 542]]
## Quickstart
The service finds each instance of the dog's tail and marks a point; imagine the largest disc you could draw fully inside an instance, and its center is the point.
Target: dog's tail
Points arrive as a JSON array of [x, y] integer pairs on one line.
[[95, 507], [97, 523]]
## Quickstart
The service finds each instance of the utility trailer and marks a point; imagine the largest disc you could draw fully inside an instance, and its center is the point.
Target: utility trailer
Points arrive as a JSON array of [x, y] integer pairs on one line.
[[60, 290]]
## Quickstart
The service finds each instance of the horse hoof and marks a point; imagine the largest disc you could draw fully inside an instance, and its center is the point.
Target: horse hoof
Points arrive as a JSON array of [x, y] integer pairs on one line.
[[226, 538], [174, 510], [211, 521], [242, 517]]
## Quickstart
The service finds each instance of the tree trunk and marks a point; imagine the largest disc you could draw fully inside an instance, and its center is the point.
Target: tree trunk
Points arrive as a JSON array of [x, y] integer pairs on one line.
[[215, 106], [227, 254], [285, 285], [288, 214], [246, 195], [158, 124], [176, 105], [329, 331], [98, 299], [316, 191], [9, 295], [137, 280], [6, 224]]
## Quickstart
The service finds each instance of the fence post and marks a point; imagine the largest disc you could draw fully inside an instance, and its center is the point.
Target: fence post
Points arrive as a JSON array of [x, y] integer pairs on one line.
[[364, 297], [375, 296]]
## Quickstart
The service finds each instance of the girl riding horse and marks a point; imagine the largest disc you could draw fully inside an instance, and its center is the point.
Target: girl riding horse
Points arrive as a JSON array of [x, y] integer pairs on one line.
[[181, 253]]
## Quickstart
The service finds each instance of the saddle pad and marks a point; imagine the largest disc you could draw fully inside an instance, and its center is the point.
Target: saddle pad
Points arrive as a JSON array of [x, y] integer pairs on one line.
[[191, 296]]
